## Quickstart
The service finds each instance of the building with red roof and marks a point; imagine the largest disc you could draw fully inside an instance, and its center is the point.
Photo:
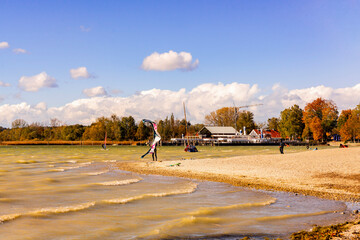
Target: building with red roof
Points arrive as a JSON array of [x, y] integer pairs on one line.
[[267, 134]]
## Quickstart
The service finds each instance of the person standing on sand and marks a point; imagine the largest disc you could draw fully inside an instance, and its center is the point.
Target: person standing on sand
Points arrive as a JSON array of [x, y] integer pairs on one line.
[[282, 144]]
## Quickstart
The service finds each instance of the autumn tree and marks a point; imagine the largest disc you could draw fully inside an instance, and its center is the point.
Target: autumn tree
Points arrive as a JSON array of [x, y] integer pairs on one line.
[[222, 117], [291, 122], [320, 118], [344, 116], [350, 124]]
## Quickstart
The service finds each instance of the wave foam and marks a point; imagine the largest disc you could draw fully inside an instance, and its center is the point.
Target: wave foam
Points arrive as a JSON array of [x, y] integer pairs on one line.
[[63, 209], [188, 189], [119, 182], [212, 210], [96, 173], [9, 217]]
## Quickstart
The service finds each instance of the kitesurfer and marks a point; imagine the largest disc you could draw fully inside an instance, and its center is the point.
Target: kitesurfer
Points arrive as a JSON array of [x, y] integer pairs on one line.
[[156, 139]]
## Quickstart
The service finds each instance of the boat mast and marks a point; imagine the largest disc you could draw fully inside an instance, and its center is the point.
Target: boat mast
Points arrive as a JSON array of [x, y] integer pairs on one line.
[[185, 126]]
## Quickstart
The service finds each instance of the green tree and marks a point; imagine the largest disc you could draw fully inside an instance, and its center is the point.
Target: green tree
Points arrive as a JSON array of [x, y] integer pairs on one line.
[[273, 123], [246, 119], [129, 127], [142, 132], [291, 124]]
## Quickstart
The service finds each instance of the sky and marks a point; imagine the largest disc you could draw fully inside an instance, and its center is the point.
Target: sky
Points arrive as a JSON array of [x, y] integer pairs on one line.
[[80, 60]]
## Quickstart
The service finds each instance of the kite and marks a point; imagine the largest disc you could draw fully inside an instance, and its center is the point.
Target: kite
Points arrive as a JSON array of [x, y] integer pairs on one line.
[[156, 137]]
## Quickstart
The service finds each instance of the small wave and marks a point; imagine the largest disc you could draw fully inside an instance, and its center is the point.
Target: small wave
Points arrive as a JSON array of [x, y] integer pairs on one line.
[[288, 216], [182, 222], [191, 188], [9, 217], [212, 210], [109, 161], [47, 211], [71, 161], [119, 182], [96, 173], [62, 209]]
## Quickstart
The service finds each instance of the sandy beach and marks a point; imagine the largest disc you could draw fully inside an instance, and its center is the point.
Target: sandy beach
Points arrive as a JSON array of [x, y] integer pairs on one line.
[[331, 173]]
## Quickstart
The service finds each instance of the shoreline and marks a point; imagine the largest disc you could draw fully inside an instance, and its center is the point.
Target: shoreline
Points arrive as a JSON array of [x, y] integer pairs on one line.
[[331, 173]]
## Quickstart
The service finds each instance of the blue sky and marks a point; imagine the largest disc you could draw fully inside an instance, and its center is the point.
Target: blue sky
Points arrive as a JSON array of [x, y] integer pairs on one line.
[[292, 44]]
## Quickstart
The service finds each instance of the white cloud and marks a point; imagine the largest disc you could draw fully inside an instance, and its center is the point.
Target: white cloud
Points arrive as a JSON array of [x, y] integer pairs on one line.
[[19, 51], [169, 61], [2, 84], [4, 45], [80, 72], [201, 100], [34, 83], [95, 92]]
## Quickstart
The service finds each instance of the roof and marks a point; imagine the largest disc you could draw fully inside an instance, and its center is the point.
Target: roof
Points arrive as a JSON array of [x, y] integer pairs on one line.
[[220, 130], [272, 133]]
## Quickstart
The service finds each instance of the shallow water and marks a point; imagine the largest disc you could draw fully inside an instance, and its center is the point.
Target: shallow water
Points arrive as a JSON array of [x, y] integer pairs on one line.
[[74, 192]]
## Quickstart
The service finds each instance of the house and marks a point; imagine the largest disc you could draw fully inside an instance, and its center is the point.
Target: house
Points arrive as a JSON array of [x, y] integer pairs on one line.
[[217, 132], [267, 134]]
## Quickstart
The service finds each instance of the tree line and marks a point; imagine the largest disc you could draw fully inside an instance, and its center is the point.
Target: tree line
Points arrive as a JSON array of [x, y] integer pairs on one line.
[[319, 120], [114, 127]]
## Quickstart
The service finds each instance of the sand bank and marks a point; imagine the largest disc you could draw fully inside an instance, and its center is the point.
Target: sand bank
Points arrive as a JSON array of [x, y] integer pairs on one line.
[[330, 173]]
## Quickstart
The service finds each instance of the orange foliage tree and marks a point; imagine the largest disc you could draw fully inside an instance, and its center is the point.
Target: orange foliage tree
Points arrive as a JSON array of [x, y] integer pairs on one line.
[[350, 127], [222, 117], [320, 118]]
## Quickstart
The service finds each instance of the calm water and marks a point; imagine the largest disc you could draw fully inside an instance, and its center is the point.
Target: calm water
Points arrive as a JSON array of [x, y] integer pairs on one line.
[[74, 192]]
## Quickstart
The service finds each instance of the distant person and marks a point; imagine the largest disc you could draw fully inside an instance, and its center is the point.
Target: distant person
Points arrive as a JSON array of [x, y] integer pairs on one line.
[[282, 145]]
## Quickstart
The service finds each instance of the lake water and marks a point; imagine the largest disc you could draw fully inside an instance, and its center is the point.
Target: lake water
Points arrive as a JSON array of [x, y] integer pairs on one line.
[[74, 192]]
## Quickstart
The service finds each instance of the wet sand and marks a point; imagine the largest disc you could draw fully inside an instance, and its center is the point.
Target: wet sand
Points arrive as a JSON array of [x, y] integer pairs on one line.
[[330, 173]]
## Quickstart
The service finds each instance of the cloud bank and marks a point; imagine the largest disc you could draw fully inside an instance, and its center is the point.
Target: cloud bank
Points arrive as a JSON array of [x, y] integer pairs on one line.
[[201, 100], [34, 83], [81, 72], [169, 61]]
